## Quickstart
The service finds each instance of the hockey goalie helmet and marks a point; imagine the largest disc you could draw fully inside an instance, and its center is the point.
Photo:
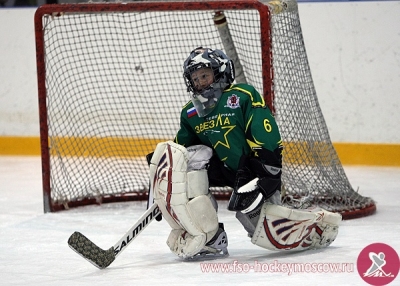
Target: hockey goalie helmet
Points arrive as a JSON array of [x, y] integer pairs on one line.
[[207, 73]]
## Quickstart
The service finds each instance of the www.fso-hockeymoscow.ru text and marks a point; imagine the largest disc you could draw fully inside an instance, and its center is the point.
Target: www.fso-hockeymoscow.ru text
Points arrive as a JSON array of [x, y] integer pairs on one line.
[[276, 267]]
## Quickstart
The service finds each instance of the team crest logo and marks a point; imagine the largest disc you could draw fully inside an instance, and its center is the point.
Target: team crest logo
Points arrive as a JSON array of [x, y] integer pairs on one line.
[[233, 101]]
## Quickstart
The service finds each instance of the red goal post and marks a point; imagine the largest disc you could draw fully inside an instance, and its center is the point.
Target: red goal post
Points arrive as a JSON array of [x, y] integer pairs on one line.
[[110, 88]]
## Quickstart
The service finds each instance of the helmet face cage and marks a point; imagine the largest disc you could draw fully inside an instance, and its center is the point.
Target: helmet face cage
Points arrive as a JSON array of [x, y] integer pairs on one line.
[[224, 74], [221, 65]]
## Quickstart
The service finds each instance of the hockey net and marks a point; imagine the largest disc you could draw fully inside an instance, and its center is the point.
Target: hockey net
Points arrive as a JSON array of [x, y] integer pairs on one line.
[[110, 88]]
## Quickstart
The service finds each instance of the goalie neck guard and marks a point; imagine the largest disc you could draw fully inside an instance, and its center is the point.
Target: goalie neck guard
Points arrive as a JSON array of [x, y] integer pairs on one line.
[[206, 99]]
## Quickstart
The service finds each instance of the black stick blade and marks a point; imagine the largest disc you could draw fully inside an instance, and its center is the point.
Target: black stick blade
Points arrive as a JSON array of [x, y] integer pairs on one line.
[[90, 251]]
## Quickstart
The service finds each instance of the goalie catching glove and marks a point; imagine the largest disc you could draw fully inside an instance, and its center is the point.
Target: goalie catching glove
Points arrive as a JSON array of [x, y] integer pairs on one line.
[[257, 180], [178, 177]]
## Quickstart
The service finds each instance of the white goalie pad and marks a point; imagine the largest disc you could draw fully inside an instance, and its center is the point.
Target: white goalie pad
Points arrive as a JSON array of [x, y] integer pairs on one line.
[[199, 224], [281, 228], [198, 157], [180, 186]]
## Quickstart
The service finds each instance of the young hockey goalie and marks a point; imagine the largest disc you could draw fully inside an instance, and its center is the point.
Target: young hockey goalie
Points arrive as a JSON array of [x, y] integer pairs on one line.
[[228, 137]]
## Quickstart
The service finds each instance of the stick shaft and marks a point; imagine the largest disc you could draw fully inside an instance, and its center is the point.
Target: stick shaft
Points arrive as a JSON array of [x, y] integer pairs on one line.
[[102, 258], [137, 228]]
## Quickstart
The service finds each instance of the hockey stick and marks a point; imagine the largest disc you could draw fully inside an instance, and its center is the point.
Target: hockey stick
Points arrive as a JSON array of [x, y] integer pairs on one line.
[[150, 198], [102, 258]]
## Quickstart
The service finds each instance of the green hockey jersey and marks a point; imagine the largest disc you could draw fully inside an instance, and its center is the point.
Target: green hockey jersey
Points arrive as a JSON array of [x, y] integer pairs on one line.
[[240, 122]]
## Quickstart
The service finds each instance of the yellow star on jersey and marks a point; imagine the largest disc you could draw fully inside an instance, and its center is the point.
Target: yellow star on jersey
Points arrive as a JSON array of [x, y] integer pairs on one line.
[[227, 130]]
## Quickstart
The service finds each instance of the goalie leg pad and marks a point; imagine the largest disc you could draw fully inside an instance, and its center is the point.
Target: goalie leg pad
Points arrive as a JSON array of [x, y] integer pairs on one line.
[[183, 199], [185, 245], [327, 228], [168, 167], [203, 215], [169, 179], [281, 228], [199, 223]]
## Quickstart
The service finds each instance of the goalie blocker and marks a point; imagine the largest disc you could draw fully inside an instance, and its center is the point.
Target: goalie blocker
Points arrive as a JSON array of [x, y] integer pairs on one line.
[[181, 190]]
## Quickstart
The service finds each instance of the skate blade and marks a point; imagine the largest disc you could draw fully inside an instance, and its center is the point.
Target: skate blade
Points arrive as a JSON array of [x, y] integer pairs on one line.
[[204, 256]]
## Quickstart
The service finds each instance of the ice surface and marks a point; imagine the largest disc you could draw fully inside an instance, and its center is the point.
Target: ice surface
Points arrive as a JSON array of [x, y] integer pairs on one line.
[[34, 250]]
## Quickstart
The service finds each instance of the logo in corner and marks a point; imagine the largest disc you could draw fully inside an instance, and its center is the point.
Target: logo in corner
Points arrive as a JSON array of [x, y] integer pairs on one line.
[[378, 264]]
